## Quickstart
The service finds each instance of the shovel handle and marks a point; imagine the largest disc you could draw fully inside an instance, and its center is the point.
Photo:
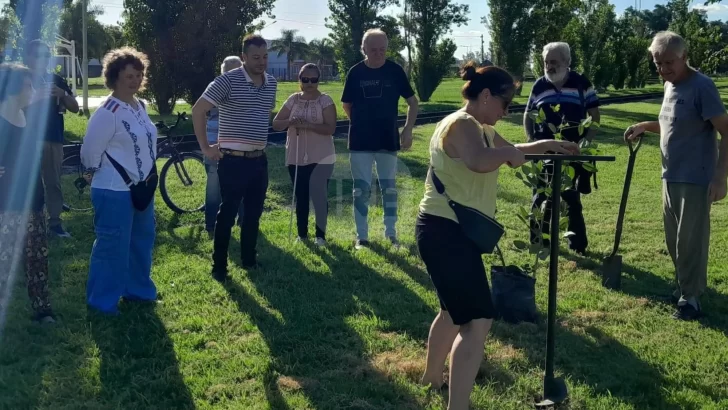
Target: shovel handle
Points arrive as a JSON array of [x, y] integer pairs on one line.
[[625, 193]]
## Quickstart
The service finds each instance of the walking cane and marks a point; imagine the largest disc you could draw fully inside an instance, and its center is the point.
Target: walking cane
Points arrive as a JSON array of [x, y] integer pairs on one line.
[[293, 197]]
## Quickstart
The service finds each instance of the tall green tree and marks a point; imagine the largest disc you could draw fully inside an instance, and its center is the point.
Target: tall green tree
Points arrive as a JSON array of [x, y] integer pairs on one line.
[[589, 33], [292, 45], [431, 19], [348, 22], [186, 40], [511, 34], [71, 28], [549, 19]]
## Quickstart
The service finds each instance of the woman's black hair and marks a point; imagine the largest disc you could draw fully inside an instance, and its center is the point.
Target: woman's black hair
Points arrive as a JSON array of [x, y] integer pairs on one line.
[[495, 79]]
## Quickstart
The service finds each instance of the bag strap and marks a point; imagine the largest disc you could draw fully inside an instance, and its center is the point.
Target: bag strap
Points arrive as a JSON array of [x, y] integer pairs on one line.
[[120, 170], [439, 186]]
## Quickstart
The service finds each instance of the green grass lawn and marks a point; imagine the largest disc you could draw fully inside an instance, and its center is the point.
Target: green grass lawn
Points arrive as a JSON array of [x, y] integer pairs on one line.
[[446, 98], [339, 329]]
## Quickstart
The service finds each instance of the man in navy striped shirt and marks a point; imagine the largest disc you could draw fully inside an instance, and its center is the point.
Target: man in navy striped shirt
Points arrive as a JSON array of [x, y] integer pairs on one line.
[[245, 98], [566, 97]]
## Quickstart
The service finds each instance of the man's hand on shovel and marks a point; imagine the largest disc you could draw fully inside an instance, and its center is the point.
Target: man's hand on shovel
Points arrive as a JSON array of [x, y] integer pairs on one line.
[[634, 133]]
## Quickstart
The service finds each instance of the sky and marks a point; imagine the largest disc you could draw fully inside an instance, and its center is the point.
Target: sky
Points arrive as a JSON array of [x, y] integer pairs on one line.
[[310, 23]]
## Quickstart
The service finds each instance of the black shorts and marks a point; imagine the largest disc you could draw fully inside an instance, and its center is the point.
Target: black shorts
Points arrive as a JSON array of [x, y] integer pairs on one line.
[[456, 268]]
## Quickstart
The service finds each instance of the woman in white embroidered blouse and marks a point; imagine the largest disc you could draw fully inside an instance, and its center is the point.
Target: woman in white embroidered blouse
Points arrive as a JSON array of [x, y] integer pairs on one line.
[[121, 259], [310, 117]]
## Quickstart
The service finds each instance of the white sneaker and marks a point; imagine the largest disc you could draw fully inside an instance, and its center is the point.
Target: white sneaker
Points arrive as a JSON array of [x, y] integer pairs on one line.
[[320, 242]]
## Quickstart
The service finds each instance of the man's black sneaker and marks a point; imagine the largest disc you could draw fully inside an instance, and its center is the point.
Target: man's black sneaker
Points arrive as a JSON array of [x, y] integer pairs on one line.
[[219, 275], [687, 312], [250, 265], [361, 243]]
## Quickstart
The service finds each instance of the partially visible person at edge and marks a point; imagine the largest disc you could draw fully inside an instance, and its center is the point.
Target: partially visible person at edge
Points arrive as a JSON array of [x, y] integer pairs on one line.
[[212, 190], [465, 154], [120, 129], [245, 97], [576, 98], [371, 97], [45, 118], [22, 219], [310, 117], [694, 167]]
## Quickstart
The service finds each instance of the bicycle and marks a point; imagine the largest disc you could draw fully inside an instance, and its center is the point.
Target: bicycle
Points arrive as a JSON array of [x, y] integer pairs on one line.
[[189, 168], [74, 188], [176, 193]]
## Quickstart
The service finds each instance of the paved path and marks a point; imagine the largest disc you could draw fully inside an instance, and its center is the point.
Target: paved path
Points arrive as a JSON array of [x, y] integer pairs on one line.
[[94, 102]]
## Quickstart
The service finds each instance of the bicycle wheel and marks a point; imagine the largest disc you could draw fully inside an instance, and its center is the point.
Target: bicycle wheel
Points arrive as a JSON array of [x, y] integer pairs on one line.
[[76, 191], [182, 183]]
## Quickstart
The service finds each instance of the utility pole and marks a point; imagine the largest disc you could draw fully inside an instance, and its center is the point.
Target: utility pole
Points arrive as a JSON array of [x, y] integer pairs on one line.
[[84, 66]]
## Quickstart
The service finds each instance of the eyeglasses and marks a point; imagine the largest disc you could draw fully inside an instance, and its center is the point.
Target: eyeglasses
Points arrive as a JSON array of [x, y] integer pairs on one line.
[[312, 80], [505, 102], [41, 55]]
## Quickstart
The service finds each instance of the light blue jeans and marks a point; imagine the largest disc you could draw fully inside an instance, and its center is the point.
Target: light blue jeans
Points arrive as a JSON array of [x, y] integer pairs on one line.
[[121, 257], [361, 172], [213, 196]]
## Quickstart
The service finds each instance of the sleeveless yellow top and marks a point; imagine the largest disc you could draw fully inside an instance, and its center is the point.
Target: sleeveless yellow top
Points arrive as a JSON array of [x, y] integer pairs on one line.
[[473, 189]]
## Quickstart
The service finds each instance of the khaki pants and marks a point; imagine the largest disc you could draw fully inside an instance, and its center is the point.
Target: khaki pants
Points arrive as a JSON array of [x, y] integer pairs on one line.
[[686, 213], [51, 168]]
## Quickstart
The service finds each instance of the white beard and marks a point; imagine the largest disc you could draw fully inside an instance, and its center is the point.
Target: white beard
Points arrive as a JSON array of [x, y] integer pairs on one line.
[[557, 77]]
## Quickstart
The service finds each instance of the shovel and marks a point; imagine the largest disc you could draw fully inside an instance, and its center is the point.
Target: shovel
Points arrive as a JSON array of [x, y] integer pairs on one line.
[[612, 270]]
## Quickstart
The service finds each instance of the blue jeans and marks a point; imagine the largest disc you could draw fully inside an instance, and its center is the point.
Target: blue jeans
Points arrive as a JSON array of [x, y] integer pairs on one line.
[[361, 172], [121, 258], [213, 197]]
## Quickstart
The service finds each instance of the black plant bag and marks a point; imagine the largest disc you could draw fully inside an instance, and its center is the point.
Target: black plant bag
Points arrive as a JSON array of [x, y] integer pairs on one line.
[[513, 293], [142, 192]]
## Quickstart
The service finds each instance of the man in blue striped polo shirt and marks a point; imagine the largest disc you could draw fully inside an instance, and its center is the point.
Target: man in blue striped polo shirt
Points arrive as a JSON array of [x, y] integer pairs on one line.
[[566, 97], [212, 190], [245, 98]]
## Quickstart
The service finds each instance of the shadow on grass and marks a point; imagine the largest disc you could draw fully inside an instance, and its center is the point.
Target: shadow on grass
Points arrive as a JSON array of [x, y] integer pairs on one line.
[[87, 361], [320, 345], [585, 354], [138, 361], [641, 283]]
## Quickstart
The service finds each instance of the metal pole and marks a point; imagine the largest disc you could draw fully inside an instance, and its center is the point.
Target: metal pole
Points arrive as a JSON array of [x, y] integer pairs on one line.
[[85, 57], [74, 74], [553, 268]]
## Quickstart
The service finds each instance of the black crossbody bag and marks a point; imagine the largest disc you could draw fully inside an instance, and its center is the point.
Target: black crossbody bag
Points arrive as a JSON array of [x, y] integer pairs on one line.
[[483, 230], [142, 192]]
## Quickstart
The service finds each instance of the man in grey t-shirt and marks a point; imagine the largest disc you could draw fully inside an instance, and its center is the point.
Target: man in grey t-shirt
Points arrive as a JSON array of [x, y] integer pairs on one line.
[[694, 167]]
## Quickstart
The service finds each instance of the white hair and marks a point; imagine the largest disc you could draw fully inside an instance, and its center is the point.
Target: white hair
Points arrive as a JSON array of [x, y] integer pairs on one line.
[[372, 32], [229, 62], [560, 47], [668, 40]]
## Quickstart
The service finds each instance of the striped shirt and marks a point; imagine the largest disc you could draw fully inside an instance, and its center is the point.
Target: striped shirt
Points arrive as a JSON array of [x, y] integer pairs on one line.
[[573, 100], [244, 109]]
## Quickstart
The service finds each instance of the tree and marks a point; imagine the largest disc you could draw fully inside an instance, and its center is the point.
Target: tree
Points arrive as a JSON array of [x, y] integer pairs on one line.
[[292, 45], [511, 34], [431, 19], [588, 34], [549, 18], [115, 36], [187, 40], [348, 22], [71, 28], [321, 51]]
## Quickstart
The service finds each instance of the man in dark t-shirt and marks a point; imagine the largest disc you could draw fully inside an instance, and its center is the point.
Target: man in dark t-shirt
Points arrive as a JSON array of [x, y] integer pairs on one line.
[[566, 99], [371, 99], [45, 119]]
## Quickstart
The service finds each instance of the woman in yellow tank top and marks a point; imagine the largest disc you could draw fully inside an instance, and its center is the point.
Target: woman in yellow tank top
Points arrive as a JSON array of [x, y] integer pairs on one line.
[[466, 154]]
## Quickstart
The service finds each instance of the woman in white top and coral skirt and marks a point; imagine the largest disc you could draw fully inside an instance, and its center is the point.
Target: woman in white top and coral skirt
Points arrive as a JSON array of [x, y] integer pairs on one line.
[[310, 117], [120, 130]]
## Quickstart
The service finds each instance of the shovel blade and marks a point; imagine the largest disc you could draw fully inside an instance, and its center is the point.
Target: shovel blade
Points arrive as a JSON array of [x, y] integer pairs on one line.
[[612, 272]]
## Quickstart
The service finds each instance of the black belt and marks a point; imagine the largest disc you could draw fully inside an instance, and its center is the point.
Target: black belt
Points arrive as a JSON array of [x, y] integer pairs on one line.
[[244, 154]]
